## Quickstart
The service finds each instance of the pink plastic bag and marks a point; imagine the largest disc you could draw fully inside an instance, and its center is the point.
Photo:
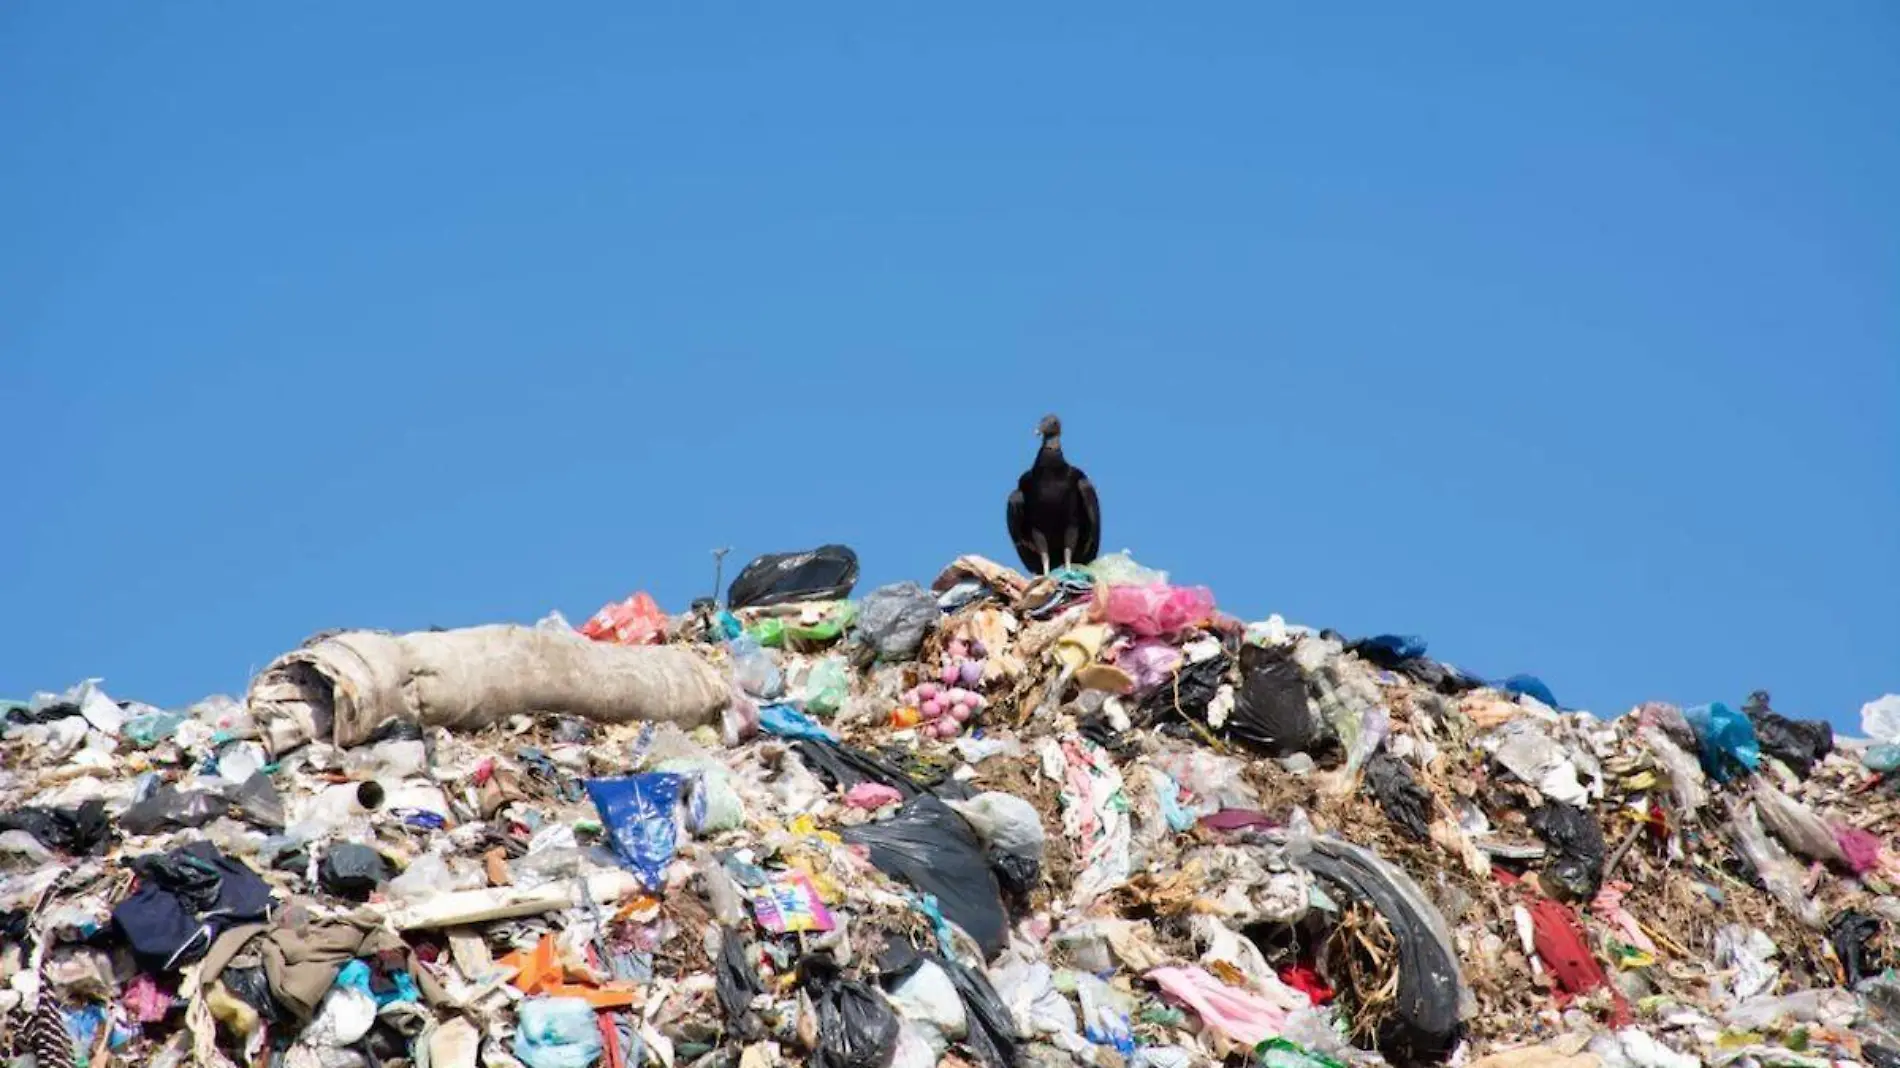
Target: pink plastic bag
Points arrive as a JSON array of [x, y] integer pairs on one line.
[[1243, 1017], [1150, 663], [634, 621], [1861, 848], [1152, 611], [872, 795]]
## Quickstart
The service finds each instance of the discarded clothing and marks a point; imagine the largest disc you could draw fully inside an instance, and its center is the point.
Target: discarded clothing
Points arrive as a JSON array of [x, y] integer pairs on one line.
[[185, 899]]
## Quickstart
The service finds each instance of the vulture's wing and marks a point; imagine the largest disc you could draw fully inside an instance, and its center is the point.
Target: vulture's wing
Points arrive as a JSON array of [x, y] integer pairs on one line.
[[1089, 536], [1019, 530]]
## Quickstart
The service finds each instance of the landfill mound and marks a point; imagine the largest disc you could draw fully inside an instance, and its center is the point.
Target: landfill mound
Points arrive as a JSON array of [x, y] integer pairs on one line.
[[1084, 818]]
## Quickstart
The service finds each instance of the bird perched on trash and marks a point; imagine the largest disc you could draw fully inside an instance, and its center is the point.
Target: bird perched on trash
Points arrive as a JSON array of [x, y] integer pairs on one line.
[[1053, 514]]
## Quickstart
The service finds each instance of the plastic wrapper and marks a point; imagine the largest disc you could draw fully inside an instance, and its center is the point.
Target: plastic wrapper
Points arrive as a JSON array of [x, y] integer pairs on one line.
[[826, 573], [927, 996], [1120, 569], [1686, 782], [634, 621], [1807, 834], [1152, 611], [1779, 872], [641, 813], [928, 845], [754, 669], [893, 620], [1352, 705]]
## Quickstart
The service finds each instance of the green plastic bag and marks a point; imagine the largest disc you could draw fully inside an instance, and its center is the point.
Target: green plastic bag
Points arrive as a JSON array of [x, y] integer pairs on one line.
[[769, 632], [827, 687]]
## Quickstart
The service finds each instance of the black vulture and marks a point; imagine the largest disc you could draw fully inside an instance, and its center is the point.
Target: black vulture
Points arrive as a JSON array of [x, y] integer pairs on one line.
[[1053, 515]]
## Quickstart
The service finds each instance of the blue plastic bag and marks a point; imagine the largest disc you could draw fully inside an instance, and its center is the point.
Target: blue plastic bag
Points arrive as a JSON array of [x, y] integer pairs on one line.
[[788, 722], [641, 813], [1530, 686], [1727, 740], [557, 1033]]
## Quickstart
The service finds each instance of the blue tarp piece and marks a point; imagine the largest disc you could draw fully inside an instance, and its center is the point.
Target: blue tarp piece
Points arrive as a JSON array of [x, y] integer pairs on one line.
[[642, 817], [1727, 739], [788, 722]]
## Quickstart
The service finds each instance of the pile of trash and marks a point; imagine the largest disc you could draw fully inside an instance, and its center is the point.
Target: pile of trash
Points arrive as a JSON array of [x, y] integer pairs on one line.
[[1083, 818]]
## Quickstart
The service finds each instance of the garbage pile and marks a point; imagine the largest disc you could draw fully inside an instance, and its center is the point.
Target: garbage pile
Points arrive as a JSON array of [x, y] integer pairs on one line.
[[1084, 818]]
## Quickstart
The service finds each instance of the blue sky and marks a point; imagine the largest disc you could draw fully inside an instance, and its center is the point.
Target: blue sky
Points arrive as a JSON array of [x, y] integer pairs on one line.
[[1568, 340]]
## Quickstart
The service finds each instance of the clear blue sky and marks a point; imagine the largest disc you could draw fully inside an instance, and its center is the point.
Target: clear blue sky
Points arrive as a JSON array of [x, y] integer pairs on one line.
[[1570, 341]]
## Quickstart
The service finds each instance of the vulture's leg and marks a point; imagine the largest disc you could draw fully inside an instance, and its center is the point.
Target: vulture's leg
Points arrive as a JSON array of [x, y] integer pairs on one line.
[[1042, 549], [1067, 557]]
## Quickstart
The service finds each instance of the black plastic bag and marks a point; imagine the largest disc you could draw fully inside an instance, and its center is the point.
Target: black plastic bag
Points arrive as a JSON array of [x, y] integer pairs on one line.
[[1577, 853], [257, 800], [169, 808], [56, 711], [992, 1027], [250, 986], [826, 573], [1800, 744], [737, 984], [842, 766], [352, 871], [856, 1027], [1271, 709], [1189, 693], [928, 845], [80, 831], [1405, 802], [1853, 935]]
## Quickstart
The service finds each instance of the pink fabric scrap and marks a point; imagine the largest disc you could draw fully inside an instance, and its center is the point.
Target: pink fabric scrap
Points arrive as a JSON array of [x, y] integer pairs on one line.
[[146, 1002], [1608, 907], [1242, 1016], [1862, 848], [871, 795]]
